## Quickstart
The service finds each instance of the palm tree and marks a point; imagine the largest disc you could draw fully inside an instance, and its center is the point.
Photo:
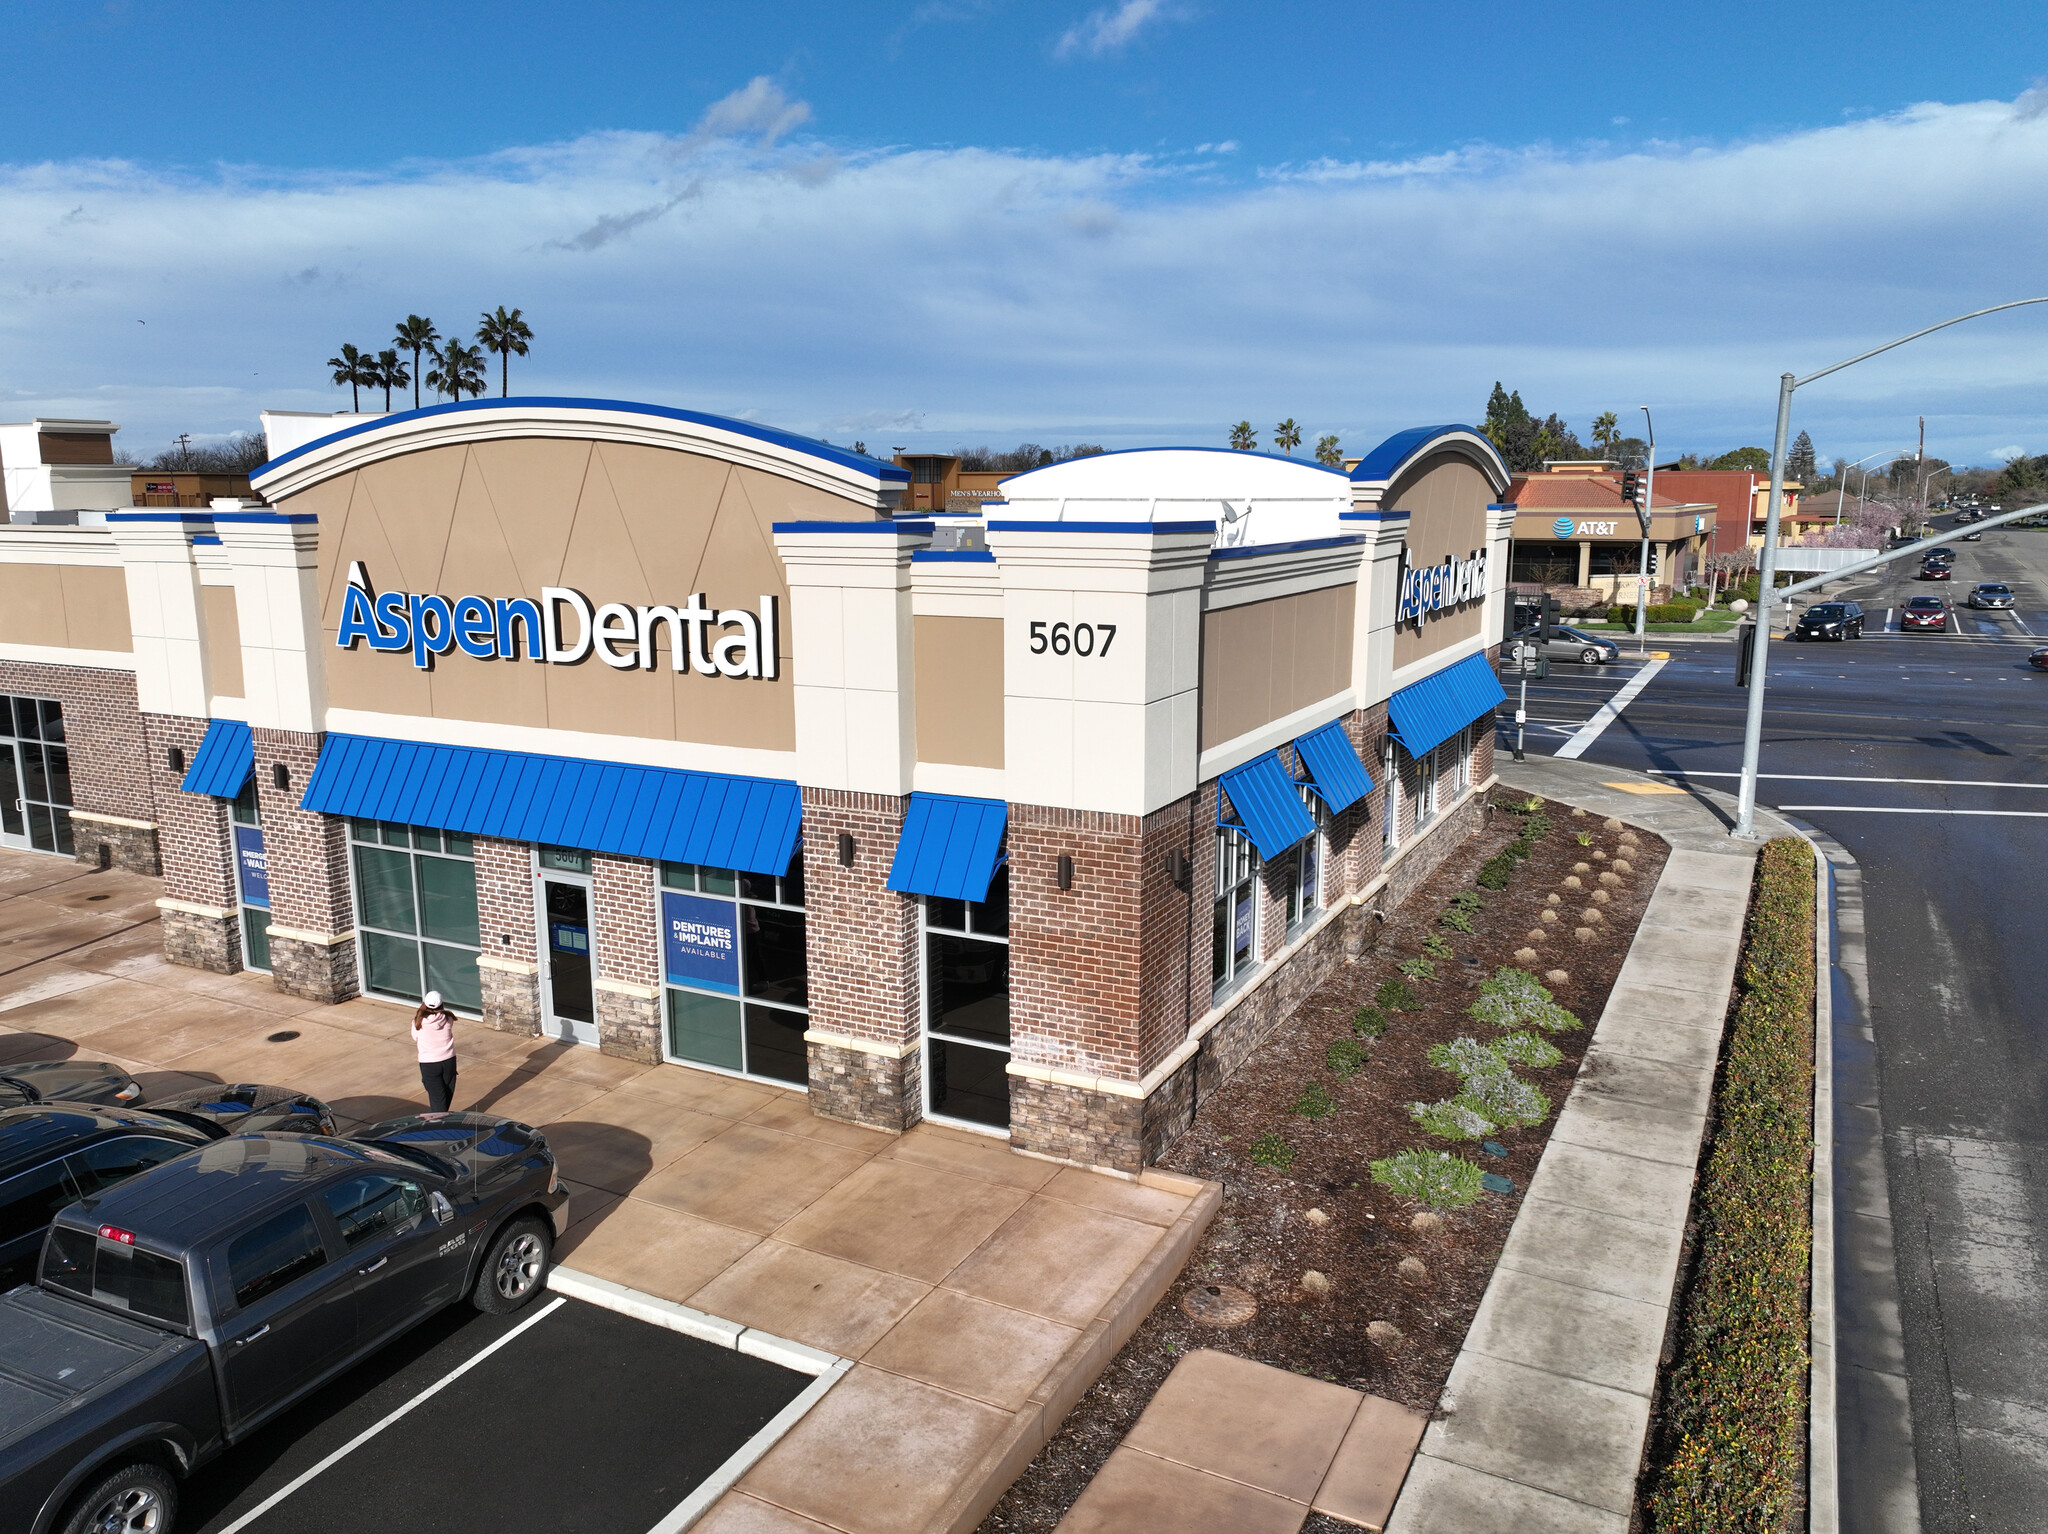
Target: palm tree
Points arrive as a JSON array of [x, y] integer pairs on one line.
[[1328, 454], [415, 335], [392, 374], [457, 370], [1241, 437], [504, 334], [1606, 433], [1287, 436], [355, 369]]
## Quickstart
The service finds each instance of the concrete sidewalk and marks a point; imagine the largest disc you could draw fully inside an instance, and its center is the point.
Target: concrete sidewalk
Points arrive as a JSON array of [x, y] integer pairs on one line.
[[979, 1291]]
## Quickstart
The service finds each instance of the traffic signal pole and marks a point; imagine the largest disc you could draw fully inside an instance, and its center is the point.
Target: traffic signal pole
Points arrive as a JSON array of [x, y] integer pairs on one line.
[[1644, 511]]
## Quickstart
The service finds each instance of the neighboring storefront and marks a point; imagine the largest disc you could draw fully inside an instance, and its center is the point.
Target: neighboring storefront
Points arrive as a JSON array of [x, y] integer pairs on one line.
[[680, 738], [1573, 530]]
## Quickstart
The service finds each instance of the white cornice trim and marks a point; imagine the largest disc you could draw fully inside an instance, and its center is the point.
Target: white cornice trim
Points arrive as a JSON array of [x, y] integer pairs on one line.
[[57, 655], [632, 750]]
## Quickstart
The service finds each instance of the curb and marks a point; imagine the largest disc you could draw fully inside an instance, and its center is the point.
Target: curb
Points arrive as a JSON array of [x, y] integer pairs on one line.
[[1823, 1458]]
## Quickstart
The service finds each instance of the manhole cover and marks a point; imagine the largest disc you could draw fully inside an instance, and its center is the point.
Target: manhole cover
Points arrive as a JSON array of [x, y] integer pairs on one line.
[[99, 897], [284, 1038], [1218, 1305]]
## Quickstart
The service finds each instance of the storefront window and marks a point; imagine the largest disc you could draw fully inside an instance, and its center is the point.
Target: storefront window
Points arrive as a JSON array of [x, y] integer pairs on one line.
[[1390, 824], [1234, 929], [1305, 886], [1461, 773], [35, 775], [252, 879], [967, 1006], [1425, 787], [734, 957], [416, 925]]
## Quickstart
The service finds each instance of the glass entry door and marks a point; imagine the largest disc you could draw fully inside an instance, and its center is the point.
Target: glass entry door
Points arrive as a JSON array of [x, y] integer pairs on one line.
[[35, 776], [570, 1011]]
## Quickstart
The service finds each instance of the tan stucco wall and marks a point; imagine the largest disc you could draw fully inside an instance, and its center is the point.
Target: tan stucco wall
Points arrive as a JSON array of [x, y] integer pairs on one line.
[[1264, 660], [78, 607], [959, 690], [223, 640], [1446, 496], [619, 523]]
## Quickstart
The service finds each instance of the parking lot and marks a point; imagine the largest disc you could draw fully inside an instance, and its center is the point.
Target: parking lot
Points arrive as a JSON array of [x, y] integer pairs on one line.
[[563, 1416]]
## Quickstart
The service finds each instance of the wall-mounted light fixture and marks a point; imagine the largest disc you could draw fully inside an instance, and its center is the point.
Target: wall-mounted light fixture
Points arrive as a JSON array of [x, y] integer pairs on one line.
[[1177, 868], [280, 775], [176, 757], [846, 849], [1066, 872]]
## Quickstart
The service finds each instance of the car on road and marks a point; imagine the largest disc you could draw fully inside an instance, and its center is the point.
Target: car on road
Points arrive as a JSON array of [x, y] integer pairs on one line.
[[67, 1081], [1936, 570], [1568, 643], [1830, 620], [1924, 613], [174, 1315], [2038, 659], [1970, 515], [1991, 594]]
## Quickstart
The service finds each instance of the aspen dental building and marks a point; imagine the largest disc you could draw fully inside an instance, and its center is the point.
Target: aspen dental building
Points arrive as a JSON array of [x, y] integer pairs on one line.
[[674, 737]]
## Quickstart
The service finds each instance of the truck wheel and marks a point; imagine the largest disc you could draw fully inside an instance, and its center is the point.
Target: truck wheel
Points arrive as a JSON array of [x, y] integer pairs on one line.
[[136, 1499], [515, 1270]]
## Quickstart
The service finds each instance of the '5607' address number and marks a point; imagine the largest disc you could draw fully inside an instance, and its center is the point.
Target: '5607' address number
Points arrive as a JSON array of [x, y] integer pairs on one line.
[[1072, 638]]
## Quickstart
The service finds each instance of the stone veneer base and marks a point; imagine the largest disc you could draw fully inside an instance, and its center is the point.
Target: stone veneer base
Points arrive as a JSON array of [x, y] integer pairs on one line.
[[323, 972], [861, 1086], [628, 1026], [133, 848], [203, 942], [511, 1001]]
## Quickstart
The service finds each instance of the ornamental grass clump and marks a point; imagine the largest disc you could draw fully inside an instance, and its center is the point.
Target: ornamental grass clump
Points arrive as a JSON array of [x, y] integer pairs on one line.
[[1505, 1098], [1492, 1096], [1417, 968], [1315, 1102], [1493, 873], [1455, 920], [1516, 999], [1538, 1054], [1451, 1120], [1345, 1058], [1435, 1178], [1369, 1022], [1395, 995], [1437, 946], [1271, 1150]]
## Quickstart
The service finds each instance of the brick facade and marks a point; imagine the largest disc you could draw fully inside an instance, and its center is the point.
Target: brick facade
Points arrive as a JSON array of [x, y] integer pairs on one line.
[[193, 833], [626, 933], [509, 967], [307, 857], [108, 755]]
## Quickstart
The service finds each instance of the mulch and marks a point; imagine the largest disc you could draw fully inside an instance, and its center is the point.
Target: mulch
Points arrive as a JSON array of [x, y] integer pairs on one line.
[[1322, 1214]]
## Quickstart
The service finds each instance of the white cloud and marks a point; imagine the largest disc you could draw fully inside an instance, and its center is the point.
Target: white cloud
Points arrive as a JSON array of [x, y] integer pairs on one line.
[[984, 295], [1107, 31], [2008, 454], [758, 109]]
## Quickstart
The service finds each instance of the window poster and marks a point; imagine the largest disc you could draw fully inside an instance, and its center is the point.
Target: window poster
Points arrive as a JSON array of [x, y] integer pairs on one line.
[[700, 942], [249, 866]]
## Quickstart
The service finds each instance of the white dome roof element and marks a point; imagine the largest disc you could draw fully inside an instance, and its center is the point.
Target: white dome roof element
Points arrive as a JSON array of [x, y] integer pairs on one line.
[[1252, 498]]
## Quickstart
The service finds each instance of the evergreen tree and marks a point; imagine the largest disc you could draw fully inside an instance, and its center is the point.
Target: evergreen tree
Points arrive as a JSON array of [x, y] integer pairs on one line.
[[1799, 462], [1509, 428]]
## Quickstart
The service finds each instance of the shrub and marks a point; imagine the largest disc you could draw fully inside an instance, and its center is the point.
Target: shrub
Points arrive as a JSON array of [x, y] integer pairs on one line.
[[1396, 995], [1527, 1049], [1734, 1409], [1270, 1150], [1468, 900], [1438, 947], [1345, 1057], [1505, 1098], [1465, 1057], [1659, 612], [1583, 838], [1453, 1120], [1530, 805], [1493, 874], [1535, 827], [1369, 1022], [1417, 968], [1455, 919], [1519, 848], [1315, 1102], [1514, 998], [1435, 1178]]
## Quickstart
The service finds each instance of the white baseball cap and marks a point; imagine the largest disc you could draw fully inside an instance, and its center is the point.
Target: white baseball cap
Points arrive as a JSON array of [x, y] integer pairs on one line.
[[433, 998]]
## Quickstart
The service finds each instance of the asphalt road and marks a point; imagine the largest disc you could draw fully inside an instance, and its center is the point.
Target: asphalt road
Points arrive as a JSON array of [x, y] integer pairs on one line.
[[1926, 757]]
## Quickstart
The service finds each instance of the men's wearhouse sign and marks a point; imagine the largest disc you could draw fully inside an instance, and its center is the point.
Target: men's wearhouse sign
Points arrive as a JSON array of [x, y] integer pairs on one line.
[[1435, 587], [725, 642]]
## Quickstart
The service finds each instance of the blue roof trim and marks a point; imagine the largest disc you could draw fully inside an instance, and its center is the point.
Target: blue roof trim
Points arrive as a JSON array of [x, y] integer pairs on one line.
[[949, 847], [1249, 550], [852, 527], [264, 516], [952, 556], [225, 760], [1429, 712], [642, 812], [1337, 776], [1385, 461], [1269, 811], [160, 516], [785, 439], [1102, 527], [208, 538], [1393, 514], [1503, 506]]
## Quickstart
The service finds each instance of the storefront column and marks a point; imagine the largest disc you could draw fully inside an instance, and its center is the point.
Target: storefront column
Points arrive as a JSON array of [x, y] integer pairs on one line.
[[312, 916], [198, 909], [626, 938], [862, 940], [508, 970], [1585, 565]]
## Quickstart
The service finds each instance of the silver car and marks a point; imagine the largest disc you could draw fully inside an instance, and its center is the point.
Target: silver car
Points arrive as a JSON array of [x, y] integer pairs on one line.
[[1568, 643], [1991, 594]]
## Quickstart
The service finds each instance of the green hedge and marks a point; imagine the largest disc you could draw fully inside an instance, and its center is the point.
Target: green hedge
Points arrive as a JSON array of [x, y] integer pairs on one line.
[[1661, 612], [1730, 1445]]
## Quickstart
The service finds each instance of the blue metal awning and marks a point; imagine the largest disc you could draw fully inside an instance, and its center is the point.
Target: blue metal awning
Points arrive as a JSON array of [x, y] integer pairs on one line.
[[1431, 711], [1337, 776], [642, 812], [949, 846], [225, 761], [1269, 811]]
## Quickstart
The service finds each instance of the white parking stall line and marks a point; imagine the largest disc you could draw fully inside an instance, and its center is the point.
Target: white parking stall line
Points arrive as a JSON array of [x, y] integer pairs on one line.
[[1885, 809], [372, 1431], [1830, 777], [1610, 711]]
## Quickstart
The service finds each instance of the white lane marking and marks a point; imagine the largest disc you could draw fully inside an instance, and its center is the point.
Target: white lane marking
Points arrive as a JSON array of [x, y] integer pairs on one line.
[[368, 1433], [1882, 809], [1828, 777], [1610, 710]]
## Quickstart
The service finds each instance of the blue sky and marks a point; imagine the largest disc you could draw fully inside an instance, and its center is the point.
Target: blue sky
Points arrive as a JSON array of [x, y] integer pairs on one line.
[[956, 222]]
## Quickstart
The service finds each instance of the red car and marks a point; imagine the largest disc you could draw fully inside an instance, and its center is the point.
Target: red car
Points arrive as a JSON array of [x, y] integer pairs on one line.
[[1934, 572], [2038, 660], [1924, 613]]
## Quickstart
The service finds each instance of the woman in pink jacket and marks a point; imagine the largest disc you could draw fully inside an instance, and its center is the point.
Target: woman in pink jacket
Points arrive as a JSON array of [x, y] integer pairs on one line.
[[433, 1031]]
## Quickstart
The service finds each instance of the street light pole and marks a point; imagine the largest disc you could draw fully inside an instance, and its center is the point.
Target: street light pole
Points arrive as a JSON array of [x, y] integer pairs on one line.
[[1643, 514], [1767, 564], [1842, 483]]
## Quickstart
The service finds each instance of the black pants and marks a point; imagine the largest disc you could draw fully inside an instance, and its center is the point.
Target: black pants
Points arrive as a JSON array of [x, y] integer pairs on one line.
[[438, 1077]]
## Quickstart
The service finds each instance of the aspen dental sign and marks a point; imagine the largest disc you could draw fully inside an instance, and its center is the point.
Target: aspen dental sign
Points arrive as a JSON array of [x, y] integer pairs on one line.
[[560, 628], [1433, 588]]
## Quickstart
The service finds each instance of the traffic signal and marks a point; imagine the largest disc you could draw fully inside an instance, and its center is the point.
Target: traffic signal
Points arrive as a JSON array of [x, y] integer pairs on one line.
[[1745, 651], [1655, 551], [1629, 488], [1546, 619]]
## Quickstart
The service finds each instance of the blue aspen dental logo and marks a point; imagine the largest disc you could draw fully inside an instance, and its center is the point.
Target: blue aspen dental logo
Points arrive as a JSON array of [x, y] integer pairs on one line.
[[723, 642], [1562, 527], [1436, 587]]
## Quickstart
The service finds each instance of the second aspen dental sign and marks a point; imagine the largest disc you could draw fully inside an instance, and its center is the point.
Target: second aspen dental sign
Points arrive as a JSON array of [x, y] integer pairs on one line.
[[711, 642]]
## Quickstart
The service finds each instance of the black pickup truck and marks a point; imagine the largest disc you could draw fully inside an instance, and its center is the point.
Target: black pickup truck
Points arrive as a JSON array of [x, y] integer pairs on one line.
[[177, 1312]]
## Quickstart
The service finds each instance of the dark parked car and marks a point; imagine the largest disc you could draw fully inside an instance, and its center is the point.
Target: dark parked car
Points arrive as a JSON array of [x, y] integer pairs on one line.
[[1830, 620], [177, 1313], [55, 1155], [1924, 613], [67, 1081], [247, 1108]]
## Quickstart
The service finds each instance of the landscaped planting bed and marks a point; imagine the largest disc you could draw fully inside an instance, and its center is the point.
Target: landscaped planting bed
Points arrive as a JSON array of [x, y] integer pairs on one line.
[[1727, 1443], [1373, 1152]]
